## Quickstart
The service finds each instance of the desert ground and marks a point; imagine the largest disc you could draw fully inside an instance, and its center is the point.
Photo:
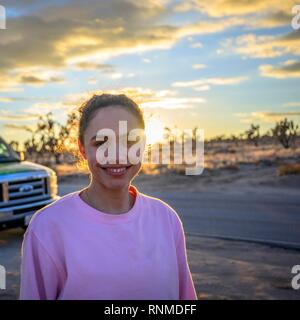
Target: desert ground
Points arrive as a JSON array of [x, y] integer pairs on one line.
[[241, 220]]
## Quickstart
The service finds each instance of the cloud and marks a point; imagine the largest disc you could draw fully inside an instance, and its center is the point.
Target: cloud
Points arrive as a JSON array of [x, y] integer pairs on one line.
[[287, 69], [42, 108], [130, 10], [75, 33], [87, 65], [273, 20], [92, 80], [8, 115], [38, 109], [257, 13], [145, 97], [13, 80], [265, 116], [263, 46], [8, 84], [13, 99], [19, 127], [34, 80], [199, 66], [205, 87], [116, 75], [28, 41], [161, 99], [292, 104], [219, 8], [203, 84], [174, 103], [196, 45], [6, 100]]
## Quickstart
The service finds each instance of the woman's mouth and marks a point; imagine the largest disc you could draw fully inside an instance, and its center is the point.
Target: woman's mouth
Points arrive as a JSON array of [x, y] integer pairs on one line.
[[116, 171]]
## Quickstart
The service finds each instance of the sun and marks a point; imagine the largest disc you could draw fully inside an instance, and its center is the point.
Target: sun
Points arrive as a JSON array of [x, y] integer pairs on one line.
[[154, 131]]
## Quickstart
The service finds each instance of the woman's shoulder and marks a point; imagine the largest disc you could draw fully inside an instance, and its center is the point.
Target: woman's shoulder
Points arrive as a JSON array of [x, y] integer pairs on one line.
[[157, 204], [54, 211]]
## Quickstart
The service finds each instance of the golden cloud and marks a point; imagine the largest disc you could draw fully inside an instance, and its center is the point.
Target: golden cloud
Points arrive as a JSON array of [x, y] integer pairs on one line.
[[7, 115], [87, 65], [204, 83], [12, 81], [199, 66], [253, 46], [76, 34], [287, 69], [265, 116], [292, 104], [19, 127], [145, 97], [257, 13]]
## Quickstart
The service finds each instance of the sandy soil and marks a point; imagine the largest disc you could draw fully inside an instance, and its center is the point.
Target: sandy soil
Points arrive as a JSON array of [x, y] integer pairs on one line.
[[247, 176]]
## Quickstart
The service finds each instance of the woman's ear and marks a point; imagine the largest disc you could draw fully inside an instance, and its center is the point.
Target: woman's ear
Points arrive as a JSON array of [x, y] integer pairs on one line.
[[81, 149]]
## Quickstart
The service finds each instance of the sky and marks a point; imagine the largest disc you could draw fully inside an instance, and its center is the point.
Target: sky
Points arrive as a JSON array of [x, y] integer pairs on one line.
[[219, 65]]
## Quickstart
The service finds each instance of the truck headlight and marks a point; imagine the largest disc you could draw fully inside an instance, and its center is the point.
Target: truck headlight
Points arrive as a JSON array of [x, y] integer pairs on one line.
[[53, 185]]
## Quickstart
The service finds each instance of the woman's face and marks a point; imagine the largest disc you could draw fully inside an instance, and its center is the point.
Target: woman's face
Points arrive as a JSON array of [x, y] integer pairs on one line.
[[111, 176]]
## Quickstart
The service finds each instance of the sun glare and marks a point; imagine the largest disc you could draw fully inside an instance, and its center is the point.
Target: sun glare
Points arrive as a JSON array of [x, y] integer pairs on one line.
[[154, 131]]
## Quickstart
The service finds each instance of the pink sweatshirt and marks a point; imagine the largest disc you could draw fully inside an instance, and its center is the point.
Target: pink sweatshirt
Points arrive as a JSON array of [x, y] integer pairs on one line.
[[73, 251]]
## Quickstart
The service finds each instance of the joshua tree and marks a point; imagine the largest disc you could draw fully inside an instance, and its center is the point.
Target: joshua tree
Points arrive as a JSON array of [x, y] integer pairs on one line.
[[67, 136], [169, 136], [31, 147], [194, 140], [15, 145], [285, 132], [52, 139], [253, 134], [47, 131]]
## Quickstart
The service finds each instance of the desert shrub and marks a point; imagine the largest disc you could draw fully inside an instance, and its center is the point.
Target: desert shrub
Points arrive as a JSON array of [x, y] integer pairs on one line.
[[285, 132], [253, 134], [286, 169]]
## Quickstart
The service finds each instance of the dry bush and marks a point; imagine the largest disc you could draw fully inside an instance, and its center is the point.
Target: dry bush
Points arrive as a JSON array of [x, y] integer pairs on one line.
[[291, 168]]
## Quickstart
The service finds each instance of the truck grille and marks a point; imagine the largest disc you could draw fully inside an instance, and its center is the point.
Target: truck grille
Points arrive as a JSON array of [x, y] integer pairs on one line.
[[22, 191], [26, 189]]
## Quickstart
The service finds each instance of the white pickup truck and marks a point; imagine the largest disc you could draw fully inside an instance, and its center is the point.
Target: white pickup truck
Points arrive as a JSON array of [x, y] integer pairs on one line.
[[25, 187]]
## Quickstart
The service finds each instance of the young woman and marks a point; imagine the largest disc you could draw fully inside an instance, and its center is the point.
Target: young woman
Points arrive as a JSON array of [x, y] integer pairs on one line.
[[108, 240]]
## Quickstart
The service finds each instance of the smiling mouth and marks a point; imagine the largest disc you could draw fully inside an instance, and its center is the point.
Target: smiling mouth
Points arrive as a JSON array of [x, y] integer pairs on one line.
[[116, 171]]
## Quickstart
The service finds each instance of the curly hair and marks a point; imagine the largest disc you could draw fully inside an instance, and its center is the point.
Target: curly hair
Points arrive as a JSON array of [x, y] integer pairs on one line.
[[104, 100]]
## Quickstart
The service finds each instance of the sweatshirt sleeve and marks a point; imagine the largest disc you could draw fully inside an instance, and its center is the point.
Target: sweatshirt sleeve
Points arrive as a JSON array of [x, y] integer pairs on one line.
[[39, 274], [186, 286]]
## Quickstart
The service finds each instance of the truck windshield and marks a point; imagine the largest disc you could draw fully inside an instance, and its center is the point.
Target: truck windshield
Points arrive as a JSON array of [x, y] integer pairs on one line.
[[7, 154]]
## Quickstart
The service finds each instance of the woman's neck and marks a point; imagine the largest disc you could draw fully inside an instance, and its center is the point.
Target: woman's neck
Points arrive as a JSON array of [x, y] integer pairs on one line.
[[106, 200]]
